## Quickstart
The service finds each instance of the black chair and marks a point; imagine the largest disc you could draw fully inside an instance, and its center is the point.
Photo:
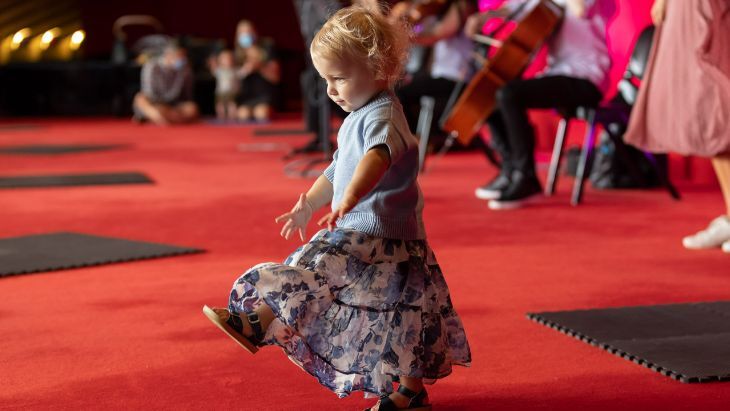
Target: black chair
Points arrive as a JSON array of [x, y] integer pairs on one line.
[[614, 117]]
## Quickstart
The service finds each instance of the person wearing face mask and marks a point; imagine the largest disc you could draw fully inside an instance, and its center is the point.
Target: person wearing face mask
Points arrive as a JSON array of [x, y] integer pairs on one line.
[[166, 96], [259, 72]]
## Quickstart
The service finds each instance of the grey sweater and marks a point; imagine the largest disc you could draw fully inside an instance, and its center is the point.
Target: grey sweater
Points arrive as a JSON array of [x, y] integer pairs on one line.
[[393, 208]]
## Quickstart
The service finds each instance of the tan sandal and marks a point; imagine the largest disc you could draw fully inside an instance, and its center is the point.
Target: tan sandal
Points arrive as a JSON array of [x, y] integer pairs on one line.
[[231, 324]]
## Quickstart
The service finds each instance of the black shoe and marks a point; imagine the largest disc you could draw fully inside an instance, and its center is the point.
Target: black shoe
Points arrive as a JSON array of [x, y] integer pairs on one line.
[[418, 401], [523, 188], [493, 189], [313, 147]]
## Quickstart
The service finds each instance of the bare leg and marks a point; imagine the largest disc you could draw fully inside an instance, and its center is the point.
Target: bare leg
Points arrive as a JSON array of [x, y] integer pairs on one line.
[[149, 110], [721, 164], [231, 108], [187, 112], [220, 110], [244, 113], [262, 112], [266, 316], [717, 232]]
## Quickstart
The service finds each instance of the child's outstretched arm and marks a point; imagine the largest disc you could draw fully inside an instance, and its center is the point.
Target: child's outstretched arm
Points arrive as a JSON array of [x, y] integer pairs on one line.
[[368, 172], [318, 195]]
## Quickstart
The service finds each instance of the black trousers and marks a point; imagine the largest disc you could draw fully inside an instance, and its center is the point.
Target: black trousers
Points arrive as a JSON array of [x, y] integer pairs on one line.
[[424, 85], [512, 134]]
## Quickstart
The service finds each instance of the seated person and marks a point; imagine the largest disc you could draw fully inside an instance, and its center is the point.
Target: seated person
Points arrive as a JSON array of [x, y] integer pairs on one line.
[[576, 74], [451, 61], [167, 90], [259, 71]]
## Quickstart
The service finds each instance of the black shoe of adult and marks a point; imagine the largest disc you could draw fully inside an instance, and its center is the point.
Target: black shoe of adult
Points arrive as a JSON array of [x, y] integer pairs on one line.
[[312, 147], [493, 189], [523, 189]]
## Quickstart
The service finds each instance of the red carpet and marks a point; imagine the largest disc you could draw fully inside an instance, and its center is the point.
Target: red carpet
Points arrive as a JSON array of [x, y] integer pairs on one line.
[[131, 336]]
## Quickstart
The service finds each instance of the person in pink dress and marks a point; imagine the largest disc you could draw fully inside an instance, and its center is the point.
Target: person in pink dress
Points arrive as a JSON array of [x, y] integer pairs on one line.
[[683, 104]]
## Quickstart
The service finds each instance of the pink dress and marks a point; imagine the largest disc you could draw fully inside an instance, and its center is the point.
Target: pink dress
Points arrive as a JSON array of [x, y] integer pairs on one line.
[[684, 100]]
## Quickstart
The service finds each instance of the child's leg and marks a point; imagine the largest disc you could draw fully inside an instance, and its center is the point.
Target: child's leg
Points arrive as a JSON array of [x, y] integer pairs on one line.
[[244, 113], [220, 110], [245, 300], [262, 112], [721, 164], [231, 108], [400, 400]]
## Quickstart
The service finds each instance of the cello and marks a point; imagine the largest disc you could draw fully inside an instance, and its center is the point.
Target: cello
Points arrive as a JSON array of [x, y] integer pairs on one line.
[[477, 101]]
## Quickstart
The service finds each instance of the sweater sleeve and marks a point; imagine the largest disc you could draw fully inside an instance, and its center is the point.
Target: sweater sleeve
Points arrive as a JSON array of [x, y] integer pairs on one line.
[[329, 172], [382, 132]]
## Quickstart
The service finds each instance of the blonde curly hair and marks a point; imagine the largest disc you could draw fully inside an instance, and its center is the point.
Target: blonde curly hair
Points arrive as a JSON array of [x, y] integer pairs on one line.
[[357, 33]]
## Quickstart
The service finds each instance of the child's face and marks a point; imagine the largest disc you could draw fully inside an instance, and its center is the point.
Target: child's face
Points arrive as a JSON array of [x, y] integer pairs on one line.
[[350, 85], [225, 59]]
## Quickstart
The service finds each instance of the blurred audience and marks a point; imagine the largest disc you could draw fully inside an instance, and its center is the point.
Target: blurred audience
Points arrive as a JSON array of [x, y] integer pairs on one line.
[[259, 72], [167, 89]]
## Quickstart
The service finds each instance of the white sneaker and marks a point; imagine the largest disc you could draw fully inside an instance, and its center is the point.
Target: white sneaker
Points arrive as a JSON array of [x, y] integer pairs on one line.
[[726, 246], [493, 189], [715, 235]]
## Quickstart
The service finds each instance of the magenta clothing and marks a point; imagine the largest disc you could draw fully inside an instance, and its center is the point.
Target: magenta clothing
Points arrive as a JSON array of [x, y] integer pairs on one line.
[[683, 104]]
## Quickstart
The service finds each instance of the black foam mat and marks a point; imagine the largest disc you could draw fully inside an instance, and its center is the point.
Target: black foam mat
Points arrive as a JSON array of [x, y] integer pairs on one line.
[[687, 342], [53, 149], [63, 250], [62, 180], [280, 131]]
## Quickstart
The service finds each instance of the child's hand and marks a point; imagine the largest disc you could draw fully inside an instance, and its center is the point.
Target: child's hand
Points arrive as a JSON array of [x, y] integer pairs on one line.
[[348, 202], [297, 218]]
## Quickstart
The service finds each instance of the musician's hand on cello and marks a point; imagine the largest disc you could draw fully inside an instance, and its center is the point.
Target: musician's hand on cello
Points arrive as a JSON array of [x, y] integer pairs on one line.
[[476, 21], [401, 10]]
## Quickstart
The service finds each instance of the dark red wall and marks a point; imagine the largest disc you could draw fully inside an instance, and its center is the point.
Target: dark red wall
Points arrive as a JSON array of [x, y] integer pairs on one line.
[[210, 19]]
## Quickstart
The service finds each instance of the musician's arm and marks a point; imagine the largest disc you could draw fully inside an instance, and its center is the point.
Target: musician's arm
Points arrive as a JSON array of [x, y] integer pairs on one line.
[[446, 27], [657, 11], [576, 7], [475, 22]]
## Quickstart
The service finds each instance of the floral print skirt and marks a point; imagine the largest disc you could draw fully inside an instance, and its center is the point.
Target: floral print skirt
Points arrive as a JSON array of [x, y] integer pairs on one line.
[[355, 311]]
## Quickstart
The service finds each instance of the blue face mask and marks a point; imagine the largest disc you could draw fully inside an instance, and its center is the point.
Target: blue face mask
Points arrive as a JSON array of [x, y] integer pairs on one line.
[[178, 64], [245, 40]]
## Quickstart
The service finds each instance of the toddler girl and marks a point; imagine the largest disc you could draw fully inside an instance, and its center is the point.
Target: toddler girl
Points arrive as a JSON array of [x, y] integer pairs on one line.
[[364, 302]]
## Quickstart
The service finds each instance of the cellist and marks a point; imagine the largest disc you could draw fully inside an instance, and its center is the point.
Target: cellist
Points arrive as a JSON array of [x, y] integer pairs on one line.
[[576, 74], [450, 57]]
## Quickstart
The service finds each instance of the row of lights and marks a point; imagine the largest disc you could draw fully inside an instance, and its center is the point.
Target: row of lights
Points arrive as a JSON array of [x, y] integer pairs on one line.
[[77, 38]]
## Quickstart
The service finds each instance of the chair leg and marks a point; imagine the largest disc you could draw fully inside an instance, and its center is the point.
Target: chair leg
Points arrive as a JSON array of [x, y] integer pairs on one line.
[[552, 176], [623, 155], [663, 179], [585, 156], [423, 129]]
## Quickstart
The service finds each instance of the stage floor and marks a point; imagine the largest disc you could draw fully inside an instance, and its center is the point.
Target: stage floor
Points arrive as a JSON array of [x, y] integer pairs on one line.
[[132, 335]]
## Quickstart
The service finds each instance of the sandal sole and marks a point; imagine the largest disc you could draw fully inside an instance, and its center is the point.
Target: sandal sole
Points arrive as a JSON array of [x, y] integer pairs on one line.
[[241, 340]]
